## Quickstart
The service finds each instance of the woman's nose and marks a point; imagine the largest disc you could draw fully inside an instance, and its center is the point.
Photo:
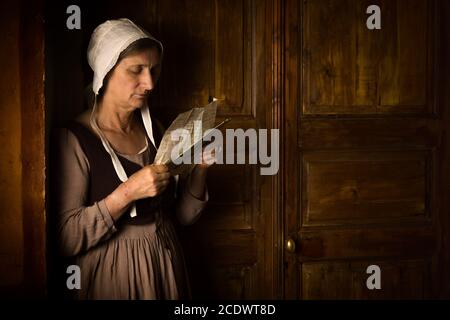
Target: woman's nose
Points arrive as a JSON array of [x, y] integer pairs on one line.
[[148, 80]]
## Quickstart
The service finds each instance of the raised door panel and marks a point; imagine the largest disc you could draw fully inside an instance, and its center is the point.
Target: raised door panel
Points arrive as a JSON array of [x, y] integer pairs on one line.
[[210, 53], [367, 187], [408, 279], [349, 69]]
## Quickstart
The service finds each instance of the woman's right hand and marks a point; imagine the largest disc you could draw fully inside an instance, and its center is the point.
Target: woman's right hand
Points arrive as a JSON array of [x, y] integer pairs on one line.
[[150, 181]]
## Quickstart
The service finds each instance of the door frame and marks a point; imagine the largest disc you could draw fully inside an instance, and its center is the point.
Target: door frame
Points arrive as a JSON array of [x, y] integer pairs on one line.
[[276, 116], [33, 148]]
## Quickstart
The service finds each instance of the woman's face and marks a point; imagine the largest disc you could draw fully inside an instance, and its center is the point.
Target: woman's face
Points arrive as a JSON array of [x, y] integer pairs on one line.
[[133, 78]]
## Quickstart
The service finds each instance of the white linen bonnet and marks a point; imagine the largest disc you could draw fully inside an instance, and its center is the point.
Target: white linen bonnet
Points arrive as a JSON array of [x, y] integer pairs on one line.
[[107, 43]]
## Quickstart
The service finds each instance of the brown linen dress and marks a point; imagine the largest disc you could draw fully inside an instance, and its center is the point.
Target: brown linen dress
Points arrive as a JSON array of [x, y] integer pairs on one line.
[[119, 260]]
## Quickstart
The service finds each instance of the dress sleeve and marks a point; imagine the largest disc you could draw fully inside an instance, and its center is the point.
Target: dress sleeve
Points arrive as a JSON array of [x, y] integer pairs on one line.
[[80, 227], [189, 207]]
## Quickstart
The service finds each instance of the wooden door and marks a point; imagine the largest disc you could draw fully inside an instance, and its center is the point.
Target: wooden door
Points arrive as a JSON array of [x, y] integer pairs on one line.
[[367, 181]]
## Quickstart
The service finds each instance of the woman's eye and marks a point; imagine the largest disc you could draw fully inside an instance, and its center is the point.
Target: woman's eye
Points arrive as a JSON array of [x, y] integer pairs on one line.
[[136, 70]]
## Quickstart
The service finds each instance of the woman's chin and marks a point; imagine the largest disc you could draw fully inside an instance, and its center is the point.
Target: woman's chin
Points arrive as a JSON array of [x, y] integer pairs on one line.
[[138, 103]]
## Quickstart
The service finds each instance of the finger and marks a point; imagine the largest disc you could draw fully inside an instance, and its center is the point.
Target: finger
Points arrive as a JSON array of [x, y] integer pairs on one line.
[[160, 168], [158, 187], [164, 176], [162, 181], [162, 187]]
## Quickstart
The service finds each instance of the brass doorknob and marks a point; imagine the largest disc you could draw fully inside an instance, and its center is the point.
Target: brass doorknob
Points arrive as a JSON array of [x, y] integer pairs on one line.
[[290, 245]]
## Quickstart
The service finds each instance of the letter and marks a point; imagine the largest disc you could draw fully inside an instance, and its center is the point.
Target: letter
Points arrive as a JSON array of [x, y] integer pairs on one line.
[[374, 20], [374, 281], [181, 147], [177, 310], [216, 145], [73, 281], [241, 135], [73, 21], [237, 309], [205, 310], [226, 309], [274, 151], [271, 309], [248, 309], [186, 310]]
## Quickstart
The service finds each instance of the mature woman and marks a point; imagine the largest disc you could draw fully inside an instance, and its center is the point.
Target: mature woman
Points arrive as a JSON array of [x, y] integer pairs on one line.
[[115, 207]]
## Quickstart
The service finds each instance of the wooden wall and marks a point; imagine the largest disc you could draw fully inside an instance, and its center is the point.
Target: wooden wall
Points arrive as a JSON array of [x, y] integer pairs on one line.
[[22, 164], [11, 218]]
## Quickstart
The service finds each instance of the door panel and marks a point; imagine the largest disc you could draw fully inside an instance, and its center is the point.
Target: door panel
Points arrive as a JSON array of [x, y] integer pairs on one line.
[[343, 187], [342, 280], [349, 69], [369, 136]]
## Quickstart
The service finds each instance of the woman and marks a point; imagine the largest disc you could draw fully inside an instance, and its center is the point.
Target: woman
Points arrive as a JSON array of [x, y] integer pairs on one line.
[[115, 206]]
